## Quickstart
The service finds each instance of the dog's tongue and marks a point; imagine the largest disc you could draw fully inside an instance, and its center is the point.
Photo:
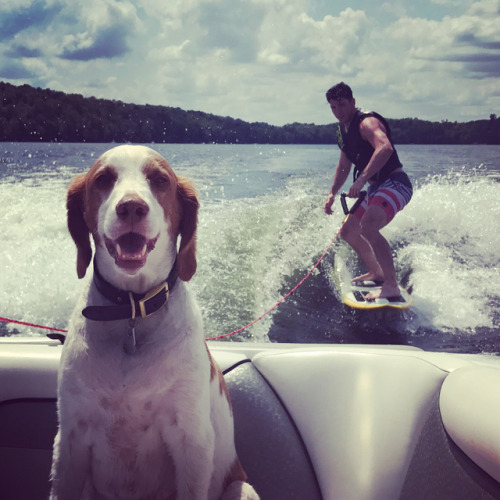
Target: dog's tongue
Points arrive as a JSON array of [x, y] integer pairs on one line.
[[131, 245]]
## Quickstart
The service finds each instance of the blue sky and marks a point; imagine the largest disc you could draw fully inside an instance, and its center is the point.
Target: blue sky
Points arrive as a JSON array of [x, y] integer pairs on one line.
[[262, 60]]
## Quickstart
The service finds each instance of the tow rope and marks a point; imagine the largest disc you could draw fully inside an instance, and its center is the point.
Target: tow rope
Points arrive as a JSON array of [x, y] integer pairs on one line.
[[347, 212], [33, 325], [291, 292]]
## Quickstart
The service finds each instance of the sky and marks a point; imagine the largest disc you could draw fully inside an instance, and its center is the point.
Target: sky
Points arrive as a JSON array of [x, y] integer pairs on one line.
[[262, 60]]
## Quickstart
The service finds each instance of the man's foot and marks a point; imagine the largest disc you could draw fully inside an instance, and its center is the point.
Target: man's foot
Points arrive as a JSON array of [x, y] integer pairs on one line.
[[384, 292], [368, 277]]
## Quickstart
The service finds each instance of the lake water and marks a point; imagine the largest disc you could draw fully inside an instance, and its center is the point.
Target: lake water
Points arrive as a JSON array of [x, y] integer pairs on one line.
[[262, 228]]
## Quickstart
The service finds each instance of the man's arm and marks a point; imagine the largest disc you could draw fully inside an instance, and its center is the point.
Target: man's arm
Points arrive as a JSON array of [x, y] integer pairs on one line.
[[374, 132], [341, 174]]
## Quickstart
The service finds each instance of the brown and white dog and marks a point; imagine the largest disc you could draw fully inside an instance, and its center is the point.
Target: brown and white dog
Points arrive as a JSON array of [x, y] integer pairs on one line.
[[143, 409]]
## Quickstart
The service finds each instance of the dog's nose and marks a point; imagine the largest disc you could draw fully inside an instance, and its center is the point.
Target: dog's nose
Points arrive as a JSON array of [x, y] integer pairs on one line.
[[132, 207]]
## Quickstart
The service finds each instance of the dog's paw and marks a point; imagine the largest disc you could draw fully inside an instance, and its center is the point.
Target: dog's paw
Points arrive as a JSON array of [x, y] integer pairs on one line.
[[239, 490]]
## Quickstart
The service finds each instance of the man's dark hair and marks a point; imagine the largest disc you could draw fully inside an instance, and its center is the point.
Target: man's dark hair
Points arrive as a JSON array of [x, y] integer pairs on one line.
[[339, 91]]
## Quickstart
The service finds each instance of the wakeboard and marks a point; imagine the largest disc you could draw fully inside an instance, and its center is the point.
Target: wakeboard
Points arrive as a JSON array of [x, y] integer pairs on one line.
[[354, 294]]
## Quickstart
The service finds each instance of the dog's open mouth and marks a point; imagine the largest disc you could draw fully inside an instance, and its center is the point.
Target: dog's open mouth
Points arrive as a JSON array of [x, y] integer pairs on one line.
[[130, 250]]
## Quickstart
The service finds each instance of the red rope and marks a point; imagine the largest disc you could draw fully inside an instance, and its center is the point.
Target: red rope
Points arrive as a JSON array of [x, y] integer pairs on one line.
[[286, 296], [291, 292], [7, 320]]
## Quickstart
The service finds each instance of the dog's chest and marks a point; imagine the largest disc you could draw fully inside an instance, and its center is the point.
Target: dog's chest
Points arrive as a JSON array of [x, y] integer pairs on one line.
[[130, 444], [128, 422]]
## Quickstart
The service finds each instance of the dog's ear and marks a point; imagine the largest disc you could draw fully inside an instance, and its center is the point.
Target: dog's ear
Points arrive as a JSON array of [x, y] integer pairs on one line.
[[76, 224], [188, 199]]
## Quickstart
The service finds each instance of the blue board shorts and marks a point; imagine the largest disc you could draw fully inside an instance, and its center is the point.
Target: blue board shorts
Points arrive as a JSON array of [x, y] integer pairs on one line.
[[392, 196]]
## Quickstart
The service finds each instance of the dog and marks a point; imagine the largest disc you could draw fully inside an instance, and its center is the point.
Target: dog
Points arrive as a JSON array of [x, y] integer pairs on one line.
[[144, 412]]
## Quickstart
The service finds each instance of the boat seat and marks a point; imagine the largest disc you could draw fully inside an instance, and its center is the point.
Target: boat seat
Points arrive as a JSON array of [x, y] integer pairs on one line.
[[309, 424], [27, 431], [269, 446], [371, 424], [470, 409]]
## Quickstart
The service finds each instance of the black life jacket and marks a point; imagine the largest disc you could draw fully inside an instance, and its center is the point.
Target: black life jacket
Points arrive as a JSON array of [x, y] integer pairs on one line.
[[359, 151]]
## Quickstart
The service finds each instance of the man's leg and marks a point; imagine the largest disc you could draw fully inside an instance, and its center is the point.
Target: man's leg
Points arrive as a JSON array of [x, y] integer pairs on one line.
[[351, 233], [373, 221]]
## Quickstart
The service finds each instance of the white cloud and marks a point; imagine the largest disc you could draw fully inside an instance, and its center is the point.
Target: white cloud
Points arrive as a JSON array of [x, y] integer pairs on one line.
[[485, 8], [261, 60]]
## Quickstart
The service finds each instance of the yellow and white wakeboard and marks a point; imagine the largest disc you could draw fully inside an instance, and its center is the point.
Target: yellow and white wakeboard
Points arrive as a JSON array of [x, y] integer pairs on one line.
[[354, 295]]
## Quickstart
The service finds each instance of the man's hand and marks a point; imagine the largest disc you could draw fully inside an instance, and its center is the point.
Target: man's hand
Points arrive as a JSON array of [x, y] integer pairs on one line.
[[356, 188], [328, 204]]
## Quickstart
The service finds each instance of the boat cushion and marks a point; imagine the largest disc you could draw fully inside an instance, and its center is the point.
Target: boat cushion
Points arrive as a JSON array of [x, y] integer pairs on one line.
[[470, 408], [440, 470], [360, 415], [27, 431], [268, 444]]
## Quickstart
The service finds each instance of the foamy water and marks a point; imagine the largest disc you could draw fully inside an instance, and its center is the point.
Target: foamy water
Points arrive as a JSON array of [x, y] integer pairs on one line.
[[451, 250], [261, 229]]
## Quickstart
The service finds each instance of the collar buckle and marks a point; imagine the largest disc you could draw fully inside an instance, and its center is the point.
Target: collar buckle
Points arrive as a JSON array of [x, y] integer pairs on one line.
[[158, 297]]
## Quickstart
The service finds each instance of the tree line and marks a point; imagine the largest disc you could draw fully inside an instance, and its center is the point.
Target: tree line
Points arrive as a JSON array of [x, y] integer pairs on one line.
[[34, 114]]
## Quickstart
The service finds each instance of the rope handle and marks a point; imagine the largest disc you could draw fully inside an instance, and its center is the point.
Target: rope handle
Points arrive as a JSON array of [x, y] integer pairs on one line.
[[356, 205]]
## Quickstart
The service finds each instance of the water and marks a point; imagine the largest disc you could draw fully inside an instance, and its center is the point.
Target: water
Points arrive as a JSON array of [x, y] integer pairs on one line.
[[262, 228]]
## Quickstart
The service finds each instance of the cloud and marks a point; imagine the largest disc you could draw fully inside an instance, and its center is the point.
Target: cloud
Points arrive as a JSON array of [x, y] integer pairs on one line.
[[292, 58], [486, 8], [442, 68], [103, 33], [259, 60], [231, 25], [20, 51], [22, 16], [470, 42], [79, 31], [107, 43], [13, 71], [471, 39], [479, 65]]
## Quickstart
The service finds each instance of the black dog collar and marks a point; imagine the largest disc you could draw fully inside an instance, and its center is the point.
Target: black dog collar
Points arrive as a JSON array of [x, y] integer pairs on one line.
[[129, 304]]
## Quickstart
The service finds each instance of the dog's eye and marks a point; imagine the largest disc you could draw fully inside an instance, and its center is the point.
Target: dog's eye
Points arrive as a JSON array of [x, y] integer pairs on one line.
[[159, 180], [105, 180]]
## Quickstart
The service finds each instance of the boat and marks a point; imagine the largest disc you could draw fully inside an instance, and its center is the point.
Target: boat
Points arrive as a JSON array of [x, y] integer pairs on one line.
[[360, 422]]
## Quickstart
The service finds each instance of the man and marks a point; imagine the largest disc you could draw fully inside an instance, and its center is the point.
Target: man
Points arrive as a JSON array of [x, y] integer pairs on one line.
[[364, 139]]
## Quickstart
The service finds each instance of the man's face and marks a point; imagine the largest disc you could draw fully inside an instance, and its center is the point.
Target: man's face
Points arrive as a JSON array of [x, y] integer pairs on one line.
[[343, 109]]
